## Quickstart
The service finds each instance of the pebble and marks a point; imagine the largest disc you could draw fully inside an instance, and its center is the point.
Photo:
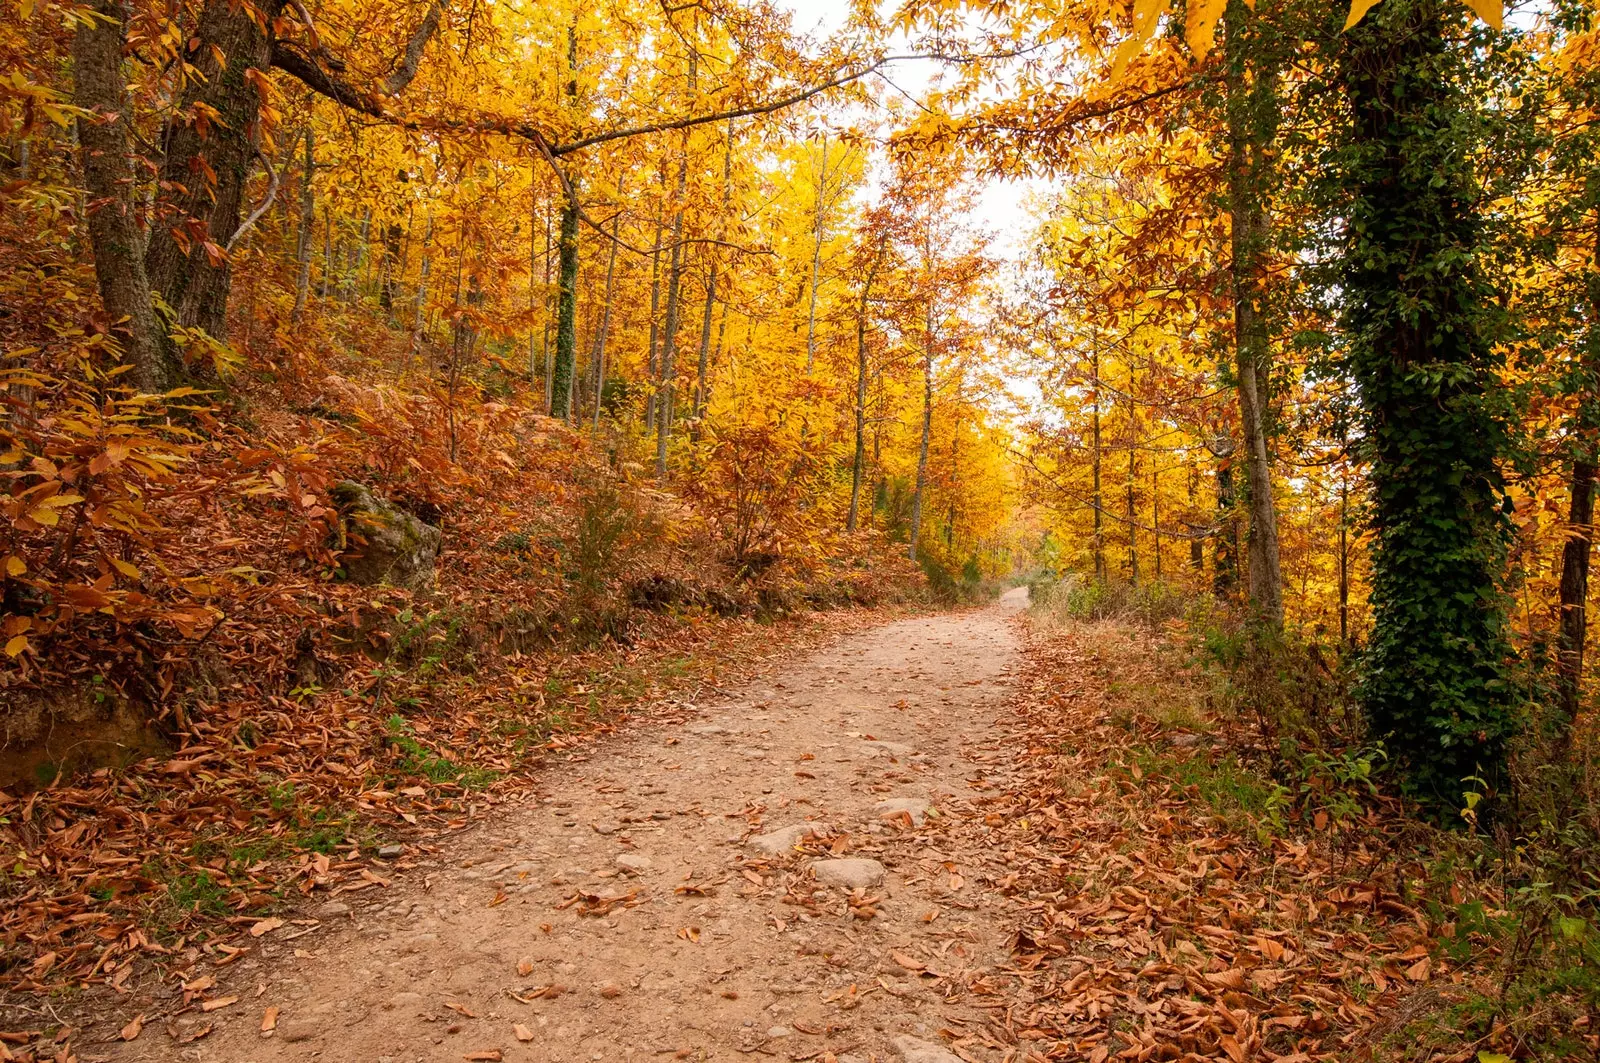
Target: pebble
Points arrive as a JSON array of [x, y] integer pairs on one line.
[[389, 852], [852, 873], [914, 1050], [916, 807], [633, 863], [780, 841], [333, 909], [892, 749]]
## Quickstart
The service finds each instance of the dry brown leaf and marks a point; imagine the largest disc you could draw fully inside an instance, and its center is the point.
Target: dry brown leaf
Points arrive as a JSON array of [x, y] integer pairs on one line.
[[219, 1003], [134, 1028], [269, 1020], [522, 1033]]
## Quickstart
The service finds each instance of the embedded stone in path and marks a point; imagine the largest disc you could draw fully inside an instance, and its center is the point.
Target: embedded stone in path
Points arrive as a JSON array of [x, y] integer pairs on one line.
[[890, 749], [781, 840], [633, 863], [914, 1050], [853, 873], [916, 807]]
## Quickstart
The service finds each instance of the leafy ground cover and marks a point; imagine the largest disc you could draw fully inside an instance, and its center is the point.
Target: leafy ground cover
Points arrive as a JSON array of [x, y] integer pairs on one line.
[[1188, 897]]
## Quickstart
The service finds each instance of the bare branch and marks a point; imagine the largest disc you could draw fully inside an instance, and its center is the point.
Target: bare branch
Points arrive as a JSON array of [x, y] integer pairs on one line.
[[266, 204]]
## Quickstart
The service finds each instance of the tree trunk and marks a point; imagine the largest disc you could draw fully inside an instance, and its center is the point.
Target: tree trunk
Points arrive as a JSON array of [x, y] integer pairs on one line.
[[816, 259], [669, 339], [858, 467], [191, 275], [1575, 555], [1225, 559], [601, 333], [566, 364], [1097, 469], [308, 222], [421, 301], [927, 431], [1252, 113], [653, 359], [1436, 684], [108, 175]]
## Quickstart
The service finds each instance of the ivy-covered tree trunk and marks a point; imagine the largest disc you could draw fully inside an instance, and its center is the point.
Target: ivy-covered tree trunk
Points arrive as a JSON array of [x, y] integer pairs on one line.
[[1418, 328], [565, 369]]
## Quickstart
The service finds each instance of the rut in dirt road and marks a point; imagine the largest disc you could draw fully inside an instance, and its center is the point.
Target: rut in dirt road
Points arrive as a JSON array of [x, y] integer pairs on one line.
[[795, 872]]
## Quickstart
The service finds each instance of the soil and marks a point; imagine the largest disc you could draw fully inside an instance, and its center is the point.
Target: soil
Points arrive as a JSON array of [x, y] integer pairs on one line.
[[628, 911]]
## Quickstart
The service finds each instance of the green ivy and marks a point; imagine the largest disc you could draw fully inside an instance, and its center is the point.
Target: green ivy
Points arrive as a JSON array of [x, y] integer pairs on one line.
[[1419, 323]]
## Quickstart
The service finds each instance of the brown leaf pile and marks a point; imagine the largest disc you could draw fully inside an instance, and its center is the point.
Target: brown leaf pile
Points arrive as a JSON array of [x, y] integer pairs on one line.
[[1154, 932]]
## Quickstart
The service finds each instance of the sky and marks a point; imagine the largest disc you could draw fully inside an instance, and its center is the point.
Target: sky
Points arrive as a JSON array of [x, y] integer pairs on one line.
[[1002, 206]]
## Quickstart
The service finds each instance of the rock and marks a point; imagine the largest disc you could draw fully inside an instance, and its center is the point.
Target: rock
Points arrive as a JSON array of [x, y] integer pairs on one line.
[[779, 1031], [887, 749], [390, 852], [404, 1000], [780, 841], [380, 542], [610, 990], [916, 807], [633, 863], [657, 593], [296, 1030], [914, 1050], [853, 873], [333, 909]]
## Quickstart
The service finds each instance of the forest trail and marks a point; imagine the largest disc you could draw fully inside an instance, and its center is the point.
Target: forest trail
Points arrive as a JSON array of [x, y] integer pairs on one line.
[[629, 911]]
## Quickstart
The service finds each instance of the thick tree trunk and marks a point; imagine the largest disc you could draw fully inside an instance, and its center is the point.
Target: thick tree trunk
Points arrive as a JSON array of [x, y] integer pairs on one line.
[[108, 175], [1575, 591], [1579, 548], [1252, 110], [213, 133], [566, 364]]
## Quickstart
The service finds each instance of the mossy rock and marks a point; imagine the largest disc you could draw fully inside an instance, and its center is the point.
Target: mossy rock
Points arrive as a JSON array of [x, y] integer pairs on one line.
[[384, 543]]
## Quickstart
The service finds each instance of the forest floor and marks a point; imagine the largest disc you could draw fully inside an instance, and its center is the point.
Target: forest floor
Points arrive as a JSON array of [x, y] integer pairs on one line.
[[953, 837], [711, 883]]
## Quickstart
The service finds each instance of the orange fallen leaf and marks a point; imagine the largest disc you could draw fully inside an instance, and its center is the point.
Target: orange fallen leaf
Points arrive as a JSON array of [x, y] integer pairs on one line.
[[461, 1009], [264, 926], [522, 1033], [219, 1003], [488, 1055], [269, 1021], [524, 967], [133, 1029]]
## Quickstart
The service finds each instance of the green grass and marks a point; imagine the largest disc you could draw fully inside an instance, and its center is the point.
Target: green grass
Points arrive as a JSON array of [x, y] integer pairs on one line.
[[1244, 800]]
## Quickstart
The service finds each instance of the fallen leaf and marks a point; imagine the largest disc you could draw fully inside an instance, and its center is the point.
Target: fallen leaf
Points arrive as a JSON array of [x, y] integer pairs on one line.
[[264, 926], [269, 1020], [522, 1033], [488, 1055], [134, 1028], [219, 1003]]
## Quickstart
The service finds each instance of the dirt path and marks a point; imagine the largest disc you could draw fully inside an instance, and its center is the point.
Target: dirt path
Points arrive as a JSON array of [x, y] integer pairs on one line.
[[666, 896]]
